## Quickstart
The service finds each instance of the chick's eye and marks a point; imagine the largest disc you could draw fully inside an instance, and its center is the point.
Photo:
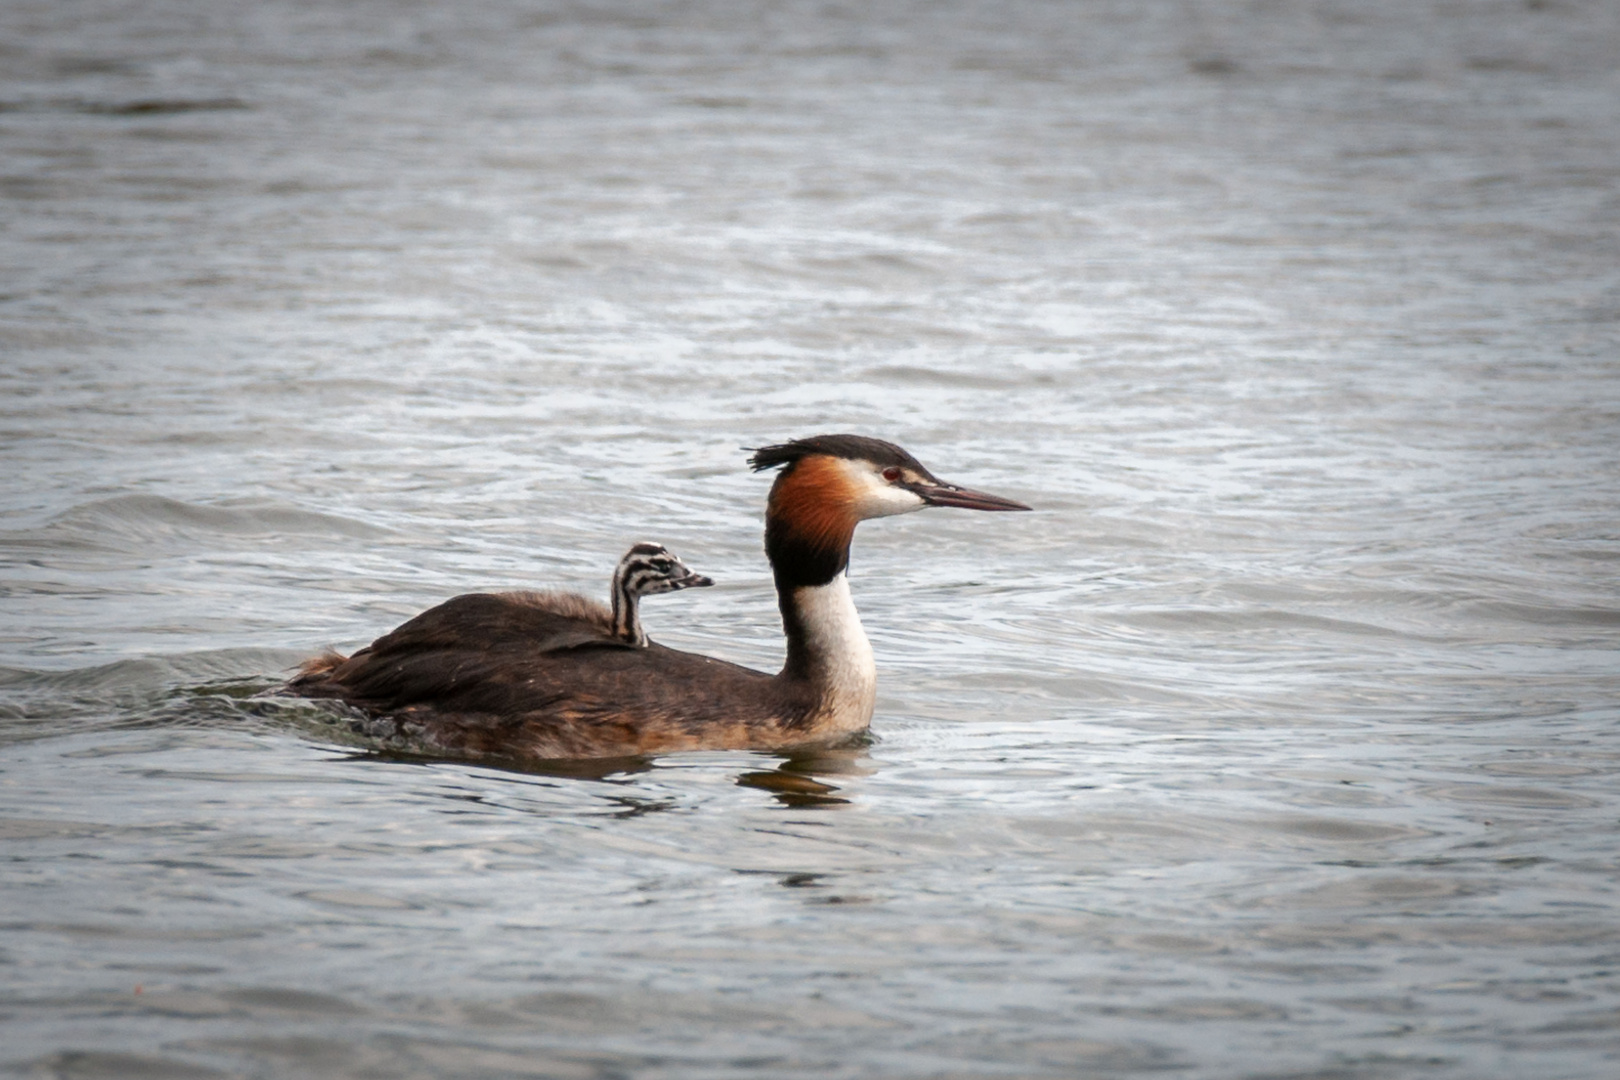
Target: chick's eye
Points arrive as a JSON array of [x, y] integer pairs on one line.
[[891, 474]]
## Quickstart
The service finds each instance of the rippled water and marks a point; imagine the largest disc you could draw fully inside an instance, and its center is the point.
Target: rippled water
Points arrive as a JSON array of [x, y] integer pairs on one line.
[[1281, 742]]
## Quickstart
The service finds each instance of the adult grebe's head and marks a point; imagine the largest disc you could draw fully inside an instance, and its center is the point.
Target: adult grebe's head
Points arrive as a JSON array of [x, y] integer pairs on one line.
[[831, 483]]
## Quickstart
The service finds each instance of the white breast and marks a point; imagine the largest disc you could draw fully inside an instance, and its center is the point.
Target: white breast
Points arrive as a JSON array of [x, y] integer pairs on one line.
[[841, 658]]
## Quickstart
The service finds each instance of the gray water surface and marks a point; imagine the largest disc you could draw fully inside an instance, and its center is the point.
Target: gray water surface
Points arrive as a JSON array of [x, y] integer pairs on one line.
[[1281, 741]]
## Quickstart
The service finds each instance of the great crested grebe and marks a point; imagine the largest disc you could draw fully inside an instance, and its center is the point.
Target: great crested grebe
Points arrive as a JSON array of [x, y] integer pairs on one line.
[[485, 676]]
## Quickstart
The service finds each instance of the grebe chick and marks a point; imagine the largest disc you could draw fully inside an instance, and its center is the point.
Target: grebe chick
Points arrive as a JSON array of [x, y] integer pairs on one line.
[[490, 677], [646, 570]]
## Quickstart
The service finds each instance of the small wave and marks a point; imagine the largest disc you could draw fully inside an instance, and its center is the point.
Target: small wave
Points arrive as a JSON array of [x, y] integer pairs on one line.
[[913, 375], [154, 672], [1253, 620], [1548, 614], [220, 688], [140, 519]]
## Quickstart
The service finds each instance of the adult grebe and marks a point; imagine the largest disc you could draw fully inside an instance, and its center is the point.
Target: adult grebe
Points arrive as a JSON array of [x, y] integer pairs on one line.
[[482, 676]]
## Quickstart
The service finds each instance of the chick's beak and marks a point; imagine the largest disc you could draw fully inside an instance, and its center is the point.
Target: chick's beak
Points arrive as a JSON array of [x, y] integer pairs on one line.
[[942, 494], [693, 581]]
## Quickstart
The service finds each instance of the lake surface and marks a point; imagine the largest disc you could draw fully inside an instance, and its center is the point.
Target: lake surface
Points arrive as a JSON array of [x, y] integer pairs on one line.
[[1281, 742]]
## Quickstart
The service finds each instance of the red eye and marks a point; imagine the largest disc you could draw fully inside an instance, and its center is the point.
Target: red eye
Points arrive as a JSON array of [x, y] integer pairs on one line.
[[891, 474]]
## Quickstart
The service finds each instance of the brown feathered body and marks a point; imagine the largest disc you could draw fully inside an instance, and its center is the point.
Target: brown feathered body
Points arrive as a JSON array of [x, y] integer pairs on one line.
[[535, 675]]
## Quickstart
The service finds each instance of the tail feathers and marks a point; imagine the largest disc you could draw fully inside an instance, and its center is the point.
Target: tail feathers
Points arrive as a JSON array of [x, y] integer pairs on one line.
[[317, 668]]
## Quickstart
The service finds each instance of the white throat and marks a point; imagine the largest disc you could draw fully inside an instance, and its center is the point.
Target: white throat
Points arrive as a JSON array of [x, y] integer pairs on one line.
[[840, 657]]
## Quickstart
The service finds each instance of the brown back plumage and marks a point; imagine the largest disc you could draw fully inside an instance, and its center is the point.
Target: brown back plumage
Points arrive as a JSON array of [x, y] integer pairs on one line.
[[520, 675], [564, 605]]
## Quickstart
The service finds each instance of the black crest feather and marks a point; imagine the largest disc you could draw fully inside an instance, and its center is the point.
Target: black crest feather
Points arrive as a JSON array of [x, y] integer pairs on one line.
[[853, 447]]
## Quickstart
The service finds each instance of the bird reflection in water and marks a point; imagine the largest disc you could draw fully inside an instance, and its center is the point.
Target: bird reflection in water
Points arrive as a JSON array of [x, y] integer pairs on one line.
[[800, 780]]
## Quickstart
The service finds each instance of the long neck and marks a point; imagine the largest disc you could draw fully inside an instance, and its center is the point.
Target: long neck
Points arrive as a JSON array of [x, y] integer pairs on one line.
[[826, 645], [828, 649], [626, 617]]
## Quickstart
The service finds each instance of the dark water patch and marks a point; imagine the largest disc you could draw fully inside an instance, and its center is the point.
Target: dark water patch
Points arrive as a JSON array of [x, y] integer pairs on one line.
[[106, 931], [161, 106], [1214, 64], [716, 102], [1547, 769], [95, 65], [1201, 1010], [1605, 1021], [1099, 1057], [114, 1065], [1524, 798], [1341, 831], [354, 898], [322, 1055], [29, 829], [1548, 615], [137, 108], [1518, 64]]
